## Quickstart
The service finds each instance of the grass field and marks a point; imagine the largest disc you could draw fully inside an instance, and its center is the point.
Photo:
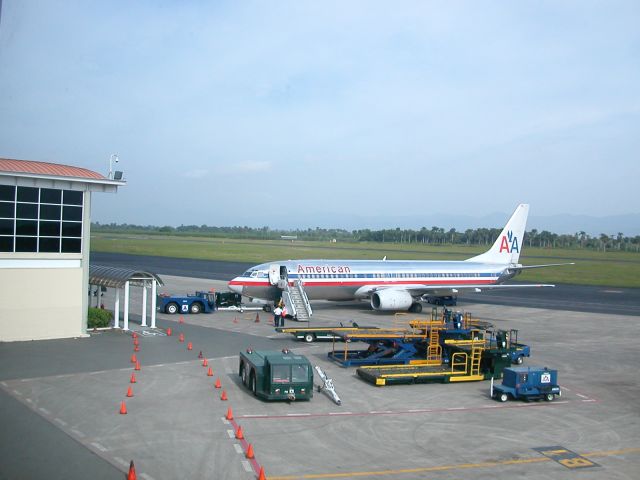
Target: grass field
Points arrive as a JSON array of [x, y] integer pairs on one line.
[[616, 269]]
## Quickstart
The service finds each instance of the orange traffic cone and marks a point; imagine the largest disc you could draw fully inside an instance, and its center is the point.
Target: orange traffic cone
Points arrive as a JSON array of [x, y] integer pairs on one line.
[[229, 415], [181, 319], [249, 453], [239, 433], [181, 337], [261, 475], [123, 408], [189, 346], [136, 342], [257, 318], [224, 395], [133, 358], [205, 363], [218, 384], [200, 354], [134, 335], [169, 332], [209, 372], [136, 348], [133, 378], [137, 366], [129, 392], [132, 472]]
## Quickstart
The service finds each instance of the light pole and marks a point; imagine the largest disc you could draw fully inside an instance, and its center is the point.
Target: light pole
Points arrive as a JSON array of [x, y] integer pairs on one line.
[[112, 158]]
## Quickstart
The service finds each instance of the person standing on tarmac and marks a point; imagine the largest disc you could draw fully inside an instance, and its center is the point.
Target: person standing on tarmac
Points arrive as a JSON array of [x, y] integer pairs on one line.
[[277, 316]]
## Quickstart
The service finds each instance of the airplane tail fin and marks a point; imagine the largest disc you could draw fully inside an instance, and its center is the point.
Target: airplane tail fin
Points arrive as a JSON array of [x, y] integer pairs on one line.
[[506, 249]]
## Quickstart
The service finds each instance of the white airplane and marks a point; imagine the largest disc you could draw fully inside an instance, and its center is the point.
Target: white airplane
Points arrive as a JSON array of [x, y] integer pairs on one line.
[[394, 284]]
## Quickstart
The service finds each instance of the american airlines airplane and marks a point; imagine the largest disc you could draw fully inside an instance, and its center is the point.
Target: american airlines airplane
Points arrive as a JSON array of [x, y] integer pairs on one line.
[[394, 284]]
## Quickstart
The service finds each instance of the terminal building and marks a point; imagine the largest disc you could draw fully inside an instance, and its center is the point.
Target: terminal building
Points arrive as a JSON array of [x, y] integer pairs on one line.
[[45, 226]]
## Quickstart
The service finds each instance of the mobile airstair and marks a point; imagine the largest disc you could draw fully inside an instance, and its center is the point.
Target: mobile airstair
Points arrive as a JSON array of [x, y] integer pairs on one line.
[[296, 301]]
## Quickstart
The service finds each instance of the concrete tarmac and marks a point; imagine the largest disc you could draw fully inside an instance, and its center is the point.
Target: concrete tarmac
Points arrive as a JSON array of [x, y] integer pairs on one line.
[[63, 398]]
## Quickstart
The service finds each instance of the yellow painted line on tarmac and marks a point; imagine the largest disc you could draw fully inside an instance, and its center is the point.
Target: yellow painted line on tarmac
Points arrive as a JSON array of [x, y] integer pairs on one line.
[[441, 468], [610, 453]]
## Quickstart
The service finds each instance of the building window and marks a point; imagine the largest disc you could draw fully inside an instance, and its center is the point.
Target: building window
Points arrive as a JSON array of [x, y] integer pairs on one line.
[[45, 220]]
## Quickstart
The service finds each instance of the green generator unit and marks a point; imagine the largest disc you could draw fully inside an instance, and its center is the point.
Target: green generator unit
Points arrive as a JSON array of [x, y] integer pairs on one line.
[[273, 375]]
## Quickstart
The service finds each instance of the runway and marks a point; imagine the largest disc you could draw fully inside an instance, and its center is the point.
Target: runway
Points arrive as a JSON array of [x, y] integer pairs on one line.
[[576, 298]]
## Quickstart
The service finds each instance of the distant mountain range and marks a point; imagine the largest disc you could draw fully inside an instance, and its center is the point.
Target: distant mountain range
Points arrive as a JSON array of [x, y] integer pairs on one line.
[[628, 224]]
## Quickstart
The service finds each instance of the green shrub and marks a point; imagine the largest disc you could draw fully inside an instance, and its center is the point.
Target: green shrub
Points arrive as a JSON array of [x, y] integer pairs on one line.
[[99, 318]]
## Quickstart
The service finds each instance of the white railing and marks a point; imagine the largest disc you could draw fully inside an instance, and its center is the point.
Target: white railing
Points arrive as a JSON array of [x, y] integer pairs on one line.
[[304, 297]]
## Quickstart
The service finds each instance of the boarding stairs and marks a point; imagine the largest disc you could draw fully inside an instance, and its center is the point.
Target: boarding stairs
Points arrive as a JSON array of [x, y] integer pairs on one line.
[[296, 301]]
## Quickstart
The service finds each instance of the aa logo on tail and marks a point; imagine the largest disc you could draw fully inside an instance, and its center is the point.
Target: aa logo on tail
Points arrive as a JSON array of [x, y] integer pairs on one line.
[[509, 243]]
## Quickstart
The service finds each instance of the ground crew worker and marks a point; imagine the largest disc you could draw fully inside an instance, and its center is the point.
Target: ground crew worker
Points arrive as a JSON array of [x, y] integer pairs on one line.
[[277, 316]]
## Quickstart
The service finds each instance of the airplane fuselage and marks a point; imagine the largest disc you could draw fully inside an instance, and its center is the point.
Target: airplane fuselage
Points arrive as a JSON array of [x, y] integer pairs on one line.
[[354, 279]]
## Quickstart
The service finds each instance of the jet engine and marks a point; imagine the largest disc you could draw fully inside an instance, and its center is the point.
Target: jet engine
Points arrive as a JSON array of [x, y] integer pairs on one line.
[[391, 299]]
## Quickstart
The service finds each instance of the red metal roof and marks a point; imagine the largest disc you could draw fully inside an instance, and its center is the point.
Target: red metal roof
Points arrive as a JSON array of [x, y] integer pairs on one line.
[[46, 168]]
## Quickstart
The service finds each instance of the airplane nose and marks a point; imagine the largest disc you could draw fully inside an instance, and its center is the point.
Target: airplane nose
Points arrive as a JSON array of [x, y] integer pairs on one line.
[[234, 286]]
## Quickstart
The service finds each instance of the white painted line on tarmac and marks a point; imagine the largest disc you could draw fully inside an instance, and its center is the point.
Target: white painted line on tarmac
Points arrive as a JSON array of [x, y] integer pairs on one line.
[[254, 416], [17, 393], [121, 461], [231, 434], [456, 408], [247, 466], [102, 448], [376, 412], [340, 413], [25, 379], [44, 410], [589, 400], [158, 365], [146, 476], [60, 421], [78, 433], [28, 400], [581, 396], [238, 448], [4, 384], [225, 421], [298, 414]]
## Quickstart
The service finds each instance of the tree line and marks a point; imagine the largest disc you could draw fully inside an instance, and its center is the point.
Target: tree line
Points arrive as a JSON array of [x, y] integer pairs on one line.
[[432, 236]]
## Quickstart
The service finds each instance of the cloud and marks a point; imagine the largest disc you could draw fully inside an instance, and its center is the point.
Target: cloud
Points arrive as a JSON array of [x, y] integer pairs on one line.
[[195, 173], [253, 167]]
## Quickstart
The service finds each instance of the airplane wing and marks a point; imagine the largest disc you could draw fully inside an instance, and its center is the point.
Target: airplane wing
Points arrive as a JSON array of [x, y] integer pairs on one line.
[[418, 290]]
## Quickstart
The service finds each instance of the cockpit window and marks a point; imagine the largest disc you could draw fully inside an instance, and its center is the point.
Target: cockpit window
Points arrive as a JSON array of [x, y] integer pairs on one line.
[[248, 273], [254, 274]]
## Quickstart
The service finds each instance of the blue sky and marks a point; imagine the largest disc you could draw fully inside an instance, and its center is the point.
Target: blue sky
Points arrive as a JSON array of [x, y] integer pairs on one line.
[[300, 113]]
